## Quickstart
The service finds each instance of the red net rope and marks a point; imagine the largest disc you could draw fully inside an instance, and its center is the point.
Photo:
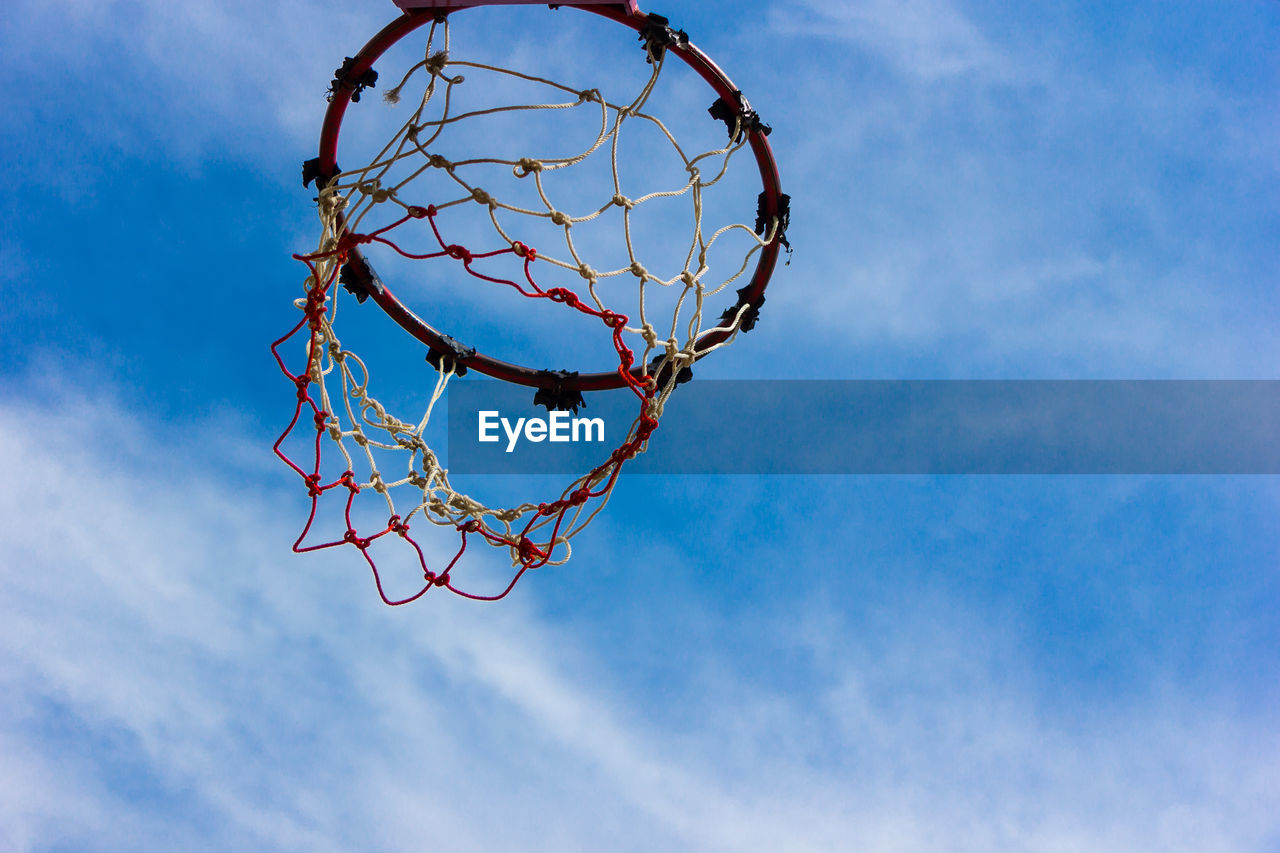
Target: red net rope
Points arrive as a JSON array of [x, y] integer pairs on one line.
[[529, 549], [342, 442]]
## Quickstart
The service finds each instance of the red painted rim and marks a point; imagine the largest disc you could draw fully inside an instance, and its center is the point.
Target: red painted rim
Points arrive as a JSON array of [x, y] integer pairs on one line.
[[518, 374]]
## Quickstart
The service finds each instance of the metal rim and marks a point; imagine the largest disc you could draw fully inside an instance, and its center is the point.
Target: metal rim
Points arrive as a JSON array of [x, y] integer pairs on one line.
[[438, 341]]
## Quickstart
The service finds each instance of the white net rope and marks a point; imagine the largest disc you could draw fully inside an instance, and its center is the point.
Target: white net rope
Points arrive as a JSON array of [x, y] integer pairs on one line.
[[381, 203]]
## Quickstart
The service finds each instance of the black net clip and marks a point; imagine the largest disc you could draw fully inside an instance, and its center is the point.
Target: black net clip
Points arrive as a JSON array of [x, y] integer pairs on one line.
[[750, 313], [740, 121], [342, 80], [358, 278], [311, 172], [453, 356], [764, 220], [555, 396], [658, 35]]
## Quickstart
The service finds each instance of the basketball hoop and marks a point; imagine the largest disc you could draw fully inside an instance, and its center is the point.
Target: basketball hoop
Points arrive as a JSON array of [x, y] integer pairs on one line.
[[411, 199]]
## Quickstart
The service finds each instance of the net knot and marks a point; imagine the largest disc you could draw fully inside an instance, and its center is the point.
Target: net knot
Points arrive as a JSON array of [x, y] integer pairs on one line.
[[482, 197], [354, 538], [525, 166], [350, 241], [331, 203], [587, 272], [459, 253], [523, 251], [689, 279], [587, 95], [439, 162], [561, 218], [464, 503], [313, 485], [528, 551], [622, 201], [614, 320], [649, 334], [563, 294], [436, 62], [395, 525], [638, 270]]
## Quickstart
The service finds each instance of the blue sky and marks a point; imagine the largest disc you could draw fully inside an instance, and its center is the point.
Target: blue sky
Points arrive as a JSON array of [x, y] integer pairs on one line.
[[728, 663]]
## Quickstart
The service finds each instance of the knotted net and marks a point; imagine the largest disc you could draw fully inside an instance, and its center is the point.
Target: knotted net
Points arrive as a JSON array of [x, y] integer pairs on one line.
[[405, 203]]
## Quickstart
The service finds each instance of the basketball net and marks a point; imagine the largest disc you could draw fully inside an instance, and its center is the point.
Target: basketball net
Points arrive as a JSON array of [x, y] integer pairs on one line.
[[362, 451]]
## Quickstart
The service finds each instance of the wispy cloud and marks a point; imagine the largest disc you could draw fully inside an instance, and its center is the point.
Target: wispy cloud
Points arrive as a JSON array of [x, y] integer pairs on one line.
[[174, 678], [1075, 213], [191, 80], [930, 39]]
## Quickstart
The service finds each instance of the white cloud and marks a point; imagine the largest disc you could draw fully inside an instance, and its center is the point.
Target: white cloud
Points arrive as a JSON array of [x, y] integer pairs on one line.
[[930, 39], [211, 692], [189, 79], [175, 679], [927, 212], [1056, 212]]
